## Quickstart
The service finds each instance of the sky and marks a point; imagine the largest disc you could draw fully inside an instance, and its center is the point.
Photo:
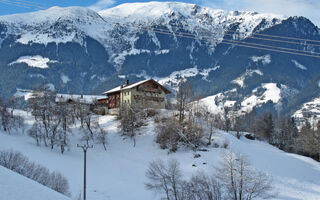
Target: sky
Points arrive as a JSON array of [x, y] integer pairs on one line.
[[307, 8]]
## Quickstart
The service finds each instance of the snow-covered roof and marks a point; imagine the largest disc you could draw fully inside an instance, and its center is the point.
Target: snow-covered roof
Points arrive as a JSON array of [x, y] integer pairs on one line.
[[125, 87], [116, 89], [86, 99]]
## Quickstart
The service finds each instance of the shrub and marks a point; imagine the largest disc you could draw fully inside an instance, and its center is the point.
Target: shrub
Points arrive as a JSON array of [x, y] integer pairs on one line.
[[20, 164]]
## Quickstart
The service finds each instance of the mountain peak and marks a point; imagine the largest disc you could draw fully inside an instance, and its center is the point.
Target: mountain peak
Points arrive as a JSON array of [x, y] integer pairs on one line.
[[51, 14], [158, 9]]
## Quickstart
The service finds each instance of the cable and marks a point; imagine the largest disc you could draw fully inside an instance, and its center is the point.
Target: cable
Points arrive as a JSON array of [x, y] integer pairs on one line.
[[274, 40], [21, 6], [266, 35], [242, 45], [257, 38], [30, 2], [285, 37], [27, 4], [263, 45]]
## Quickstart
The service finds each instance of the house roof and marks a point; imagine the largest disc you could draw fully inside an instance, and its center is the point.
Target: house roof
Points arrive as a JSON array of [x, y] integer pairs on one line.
[[133, 85], [85, 99]]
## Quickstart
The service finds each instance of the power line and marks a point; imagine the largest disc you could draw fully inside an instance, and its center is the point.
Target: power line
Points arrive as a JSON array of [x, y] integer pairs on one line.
[[236, 44], [18, 5], [285, 37], [25, 4], [266, 35], [252, 37], [30, 2], [282, 41], [250, 43]]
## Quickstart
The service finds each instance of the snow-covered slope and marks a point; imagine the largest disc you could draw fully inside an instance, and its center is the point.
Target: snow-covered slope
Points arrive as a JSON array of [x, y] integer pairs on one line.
[[34, 61], [195, 18], [119, 172], [309, 111], [16, 187], [56, 24], [266, 93]]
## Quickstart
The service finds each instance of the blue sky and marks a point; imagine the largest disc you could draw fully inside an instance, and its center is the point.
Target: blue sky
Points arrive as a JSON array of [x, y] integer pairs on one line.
[[307, 8]]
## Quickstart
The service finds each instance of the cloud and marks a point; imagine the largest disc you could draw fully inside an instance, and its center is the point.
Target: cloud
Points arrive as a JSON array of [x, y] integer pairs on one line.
[[101, 4], [306, 8]]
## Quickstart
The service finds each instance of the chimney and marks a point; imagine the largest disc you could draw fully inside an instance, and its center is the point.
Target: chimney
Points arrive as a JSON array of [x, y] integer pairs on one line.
[[127, 82]]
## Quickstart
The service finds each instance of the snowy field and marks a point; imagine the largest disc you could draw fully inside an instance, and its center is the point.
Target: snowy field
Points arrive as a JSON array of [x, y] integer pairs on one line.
[[16, 187], [119, 172]]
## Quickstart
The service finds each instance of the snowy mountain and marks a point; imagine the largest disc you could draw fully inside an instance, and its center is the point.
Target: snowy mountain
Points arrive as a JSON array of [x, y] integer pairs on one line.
[[16, 187], [78, 50]]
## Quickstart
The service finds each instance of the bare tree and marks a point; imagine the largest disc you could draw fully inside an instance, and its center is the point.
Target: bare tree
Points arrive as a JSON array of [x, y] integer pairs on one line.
[[240, 181], [101, 135], [264, 126], [5, 116], [227, 120], [165, 179], [63, 112], [81, 111], [54, 131], [211, 120], [204, 187], [237, 125], [36, 132], [12, 103], [184, 96], [131, 119], [42, 103]]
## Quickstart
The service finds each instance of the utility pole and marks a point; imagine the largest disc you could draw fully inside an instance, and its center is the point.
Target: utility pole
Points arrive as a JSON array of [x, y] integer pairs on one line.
[[84, 147]]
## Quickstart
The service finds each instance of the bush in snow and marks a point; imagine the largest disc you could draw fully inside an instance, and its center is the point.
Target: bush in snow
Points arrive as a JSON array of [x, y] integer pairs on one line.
[[168, 135], [20, 164], [171, 133]]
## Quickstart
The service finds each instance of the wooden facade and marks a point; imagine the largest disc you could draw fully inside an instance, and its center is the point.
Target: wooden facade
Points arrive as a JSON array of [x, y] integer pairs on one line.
[[114, 100], [143, 94]]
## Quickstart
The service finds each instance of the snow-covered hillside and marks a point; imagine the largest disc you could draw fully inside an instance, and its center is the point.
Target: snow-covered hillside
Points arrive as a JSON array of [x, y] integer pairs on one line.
[[119, 172], [16, 187], [267, 92], [309, 111]]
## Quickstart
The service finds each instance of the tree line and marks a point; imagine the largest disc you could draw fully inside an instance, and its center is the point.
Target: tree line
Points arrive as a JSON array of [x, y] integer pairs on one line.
[[54, 120]]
